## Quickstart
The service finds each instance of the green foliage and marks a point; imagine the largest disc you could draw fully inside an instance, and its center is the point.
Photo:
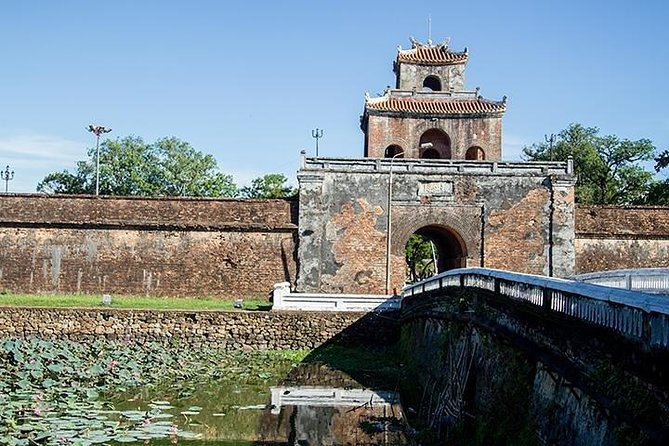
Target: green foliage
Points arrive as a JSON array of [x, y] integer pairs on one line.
[[131, 167], [130, 302], [57, 392], [607, 166], [658, 192], [268, 186], [420, 254]]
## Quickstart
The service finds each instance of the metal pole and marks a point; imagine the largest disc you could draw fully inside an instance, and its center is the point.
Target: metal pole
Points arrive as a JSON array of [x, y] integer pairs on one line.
[[97, 130], [7, 176], [550, 140], [390, 207], [97, 164], [317, 134]]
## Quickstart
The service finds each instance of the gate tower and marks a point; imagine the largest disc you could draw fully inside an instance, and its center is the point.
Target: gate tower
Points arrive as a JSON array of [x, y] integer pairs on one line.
[[429, 113]]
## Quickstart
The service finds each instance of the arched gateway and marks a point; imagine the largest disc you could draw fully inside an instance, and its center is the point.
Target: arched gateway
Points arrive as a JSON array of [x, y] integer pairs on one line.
[[432, 249]]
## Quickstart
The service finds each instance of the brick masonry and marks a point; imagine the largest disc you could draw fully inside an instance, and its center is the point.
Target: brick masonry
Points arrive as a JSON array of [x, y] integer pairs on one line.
[[514, 217], [229, 248], [383, 131], [620, 237]]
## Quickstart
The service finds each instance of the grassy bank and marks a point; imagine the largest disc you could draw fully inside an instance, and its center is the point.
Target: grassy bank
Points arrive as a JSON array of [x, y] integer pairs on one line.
[[128, 302]]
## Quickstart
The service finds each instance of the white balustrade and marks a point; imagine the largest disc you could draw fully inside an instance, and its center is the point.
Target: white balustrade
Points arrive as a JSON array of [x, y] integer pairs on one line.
[[627, 312]]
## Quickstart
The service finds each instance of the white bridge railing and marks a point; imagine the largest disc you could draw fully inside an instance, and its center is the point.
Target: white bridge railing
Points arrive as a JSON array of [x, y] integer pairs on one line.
[[634, 314], [646, 280], [283, 299]]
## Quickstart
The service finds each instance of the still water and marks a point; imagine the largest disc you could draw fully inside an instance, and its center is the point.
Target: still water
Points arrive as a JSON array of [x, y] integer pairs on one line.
[[312, 404]]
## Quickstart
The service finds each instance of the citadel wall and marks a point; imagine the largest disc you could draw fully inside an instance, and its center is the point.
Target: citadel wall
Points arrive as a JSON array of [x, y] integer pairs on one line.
[[620, 237], [157, 246]]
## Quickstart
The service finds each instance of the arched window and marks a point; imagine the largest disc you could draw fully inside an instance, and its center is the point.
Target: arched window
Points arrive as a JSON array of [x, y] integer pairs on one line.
[[475, 153], [432, 83], [393, 150], [434, 143]]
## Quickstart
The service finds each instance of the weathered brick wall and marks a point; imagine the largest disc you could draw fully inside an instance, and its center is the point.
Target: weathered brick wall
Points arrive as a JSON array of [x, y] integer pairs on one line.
[[146, 246], [515, 217], [619, 237], [464, 133], [224, 329]]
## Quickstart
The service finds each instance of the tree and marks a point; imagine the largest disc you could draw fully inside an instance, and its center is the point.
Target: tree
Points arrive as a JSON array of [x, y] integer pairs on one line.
[[268, 186], [658, 192], [606, 166], [420, 257], [130, 166]]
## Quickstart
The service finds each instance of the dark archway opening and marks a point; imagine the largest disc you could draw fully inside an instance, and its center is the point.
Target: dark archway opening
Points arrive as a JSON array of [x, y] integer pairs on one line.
[[392, 150], [475, 153], [432, 83], [432, 250], [435, 143], [430, 153]]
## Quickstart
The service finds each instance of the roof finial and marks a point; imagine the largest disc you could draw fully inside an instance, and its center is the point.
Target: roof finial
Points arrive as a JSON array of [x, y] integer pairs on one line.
[[429, 29]]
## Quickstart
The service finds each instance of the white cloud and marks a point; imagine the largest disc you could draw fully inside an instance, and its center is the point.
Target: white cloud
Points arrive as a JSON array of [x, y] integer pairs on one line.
[[40, 147], [32, 157]]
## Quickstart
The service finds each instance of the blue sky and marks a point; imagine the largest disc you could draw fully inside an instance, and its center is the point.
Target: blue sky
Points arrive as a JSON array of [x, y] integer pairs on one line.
[[247, 81]]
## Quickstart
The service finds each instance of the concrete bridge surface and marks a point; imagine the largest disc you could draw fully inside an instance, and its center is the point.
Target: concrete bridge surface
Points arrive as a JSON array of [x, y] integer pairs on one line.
[[580, 363]]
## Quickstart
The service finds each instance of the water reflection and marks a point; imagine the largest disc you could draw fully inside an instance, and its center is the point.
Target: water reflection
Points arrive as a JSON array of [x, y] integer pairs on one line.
[[337, 416], [312, 404]]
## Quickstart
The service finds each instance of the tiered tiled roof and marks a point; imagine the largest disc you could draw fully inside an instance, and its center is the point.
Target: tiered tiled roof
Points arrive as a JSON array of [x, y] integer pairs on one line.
[[472, 106], [431, 55]]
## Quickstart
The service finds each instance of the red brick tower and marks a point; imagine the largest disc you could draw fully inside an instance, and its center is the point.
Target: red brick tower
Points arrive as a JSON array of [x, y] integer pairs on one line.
[[429, 114]]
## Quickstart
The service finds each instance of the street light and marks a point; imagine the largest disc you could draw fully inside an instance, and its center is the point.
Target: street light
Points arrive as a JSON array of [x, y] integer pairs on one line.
[[317, 134], [7, 176], [550, 140], [390, 202], [97, 130]]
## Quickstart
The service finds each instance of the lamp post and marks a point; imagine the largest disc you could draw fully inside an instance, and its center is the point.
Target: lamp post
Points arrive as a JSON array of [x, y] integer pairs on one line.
[[97, 130], [550, 140], [390, 207], [317, 134], [7, 176]]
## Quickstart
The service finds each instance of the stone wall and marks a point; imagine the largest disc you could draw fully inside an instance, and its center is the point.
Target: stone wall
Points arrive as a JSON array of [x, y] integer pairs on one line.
[[225, 329], [215, 247], [620, 237], [515, 216]]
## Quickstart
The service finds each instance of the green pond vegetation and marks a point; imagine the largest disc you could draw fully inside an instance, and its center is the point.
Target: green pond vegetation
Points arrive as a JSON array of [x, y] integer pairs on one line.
[[128, 302], [63, 392], [60, 392]]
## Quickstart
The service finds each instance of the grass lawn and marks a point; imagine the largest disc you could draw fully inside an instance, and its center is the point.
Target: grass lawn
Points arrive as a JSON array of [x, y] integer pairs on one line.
[[130, 302]]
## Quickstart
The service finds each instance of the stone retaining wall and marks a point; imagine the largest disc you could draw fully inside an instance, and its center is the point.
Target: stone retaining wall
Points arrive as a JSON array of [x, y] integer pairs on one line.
[[246, 330]]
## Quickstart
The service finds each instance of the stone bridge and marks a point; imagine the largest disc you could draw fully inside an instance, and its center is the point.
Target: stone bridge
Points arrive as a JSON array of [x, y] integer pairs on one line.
[[537, 357]]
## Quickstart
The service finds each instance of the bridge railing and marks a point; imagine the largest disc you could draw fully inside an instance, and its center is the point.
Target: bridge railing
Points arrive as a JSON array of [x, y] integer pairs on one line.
[[647, 280], [636, 315]]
